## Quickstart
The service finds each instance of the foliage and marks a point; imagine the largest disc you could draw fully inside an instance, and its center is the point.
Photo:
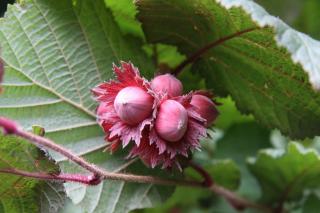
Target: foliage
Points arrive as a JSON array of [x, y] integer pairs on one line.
[[265, 77], [20, 194], [260, 76], [224, 172], [297, 170]]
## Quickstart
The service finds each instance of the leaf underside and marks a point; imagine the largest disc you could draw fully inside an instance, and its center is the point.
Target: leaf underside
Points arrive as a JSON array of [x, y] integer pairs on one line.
[[54, 53]]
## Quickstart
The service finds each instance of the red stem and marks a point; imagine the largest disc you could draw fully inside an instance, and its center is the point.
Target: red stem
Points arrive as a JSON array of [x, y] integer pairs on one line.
[[236, 201], [208, 180], [100, 174], [97, 171], [9, 126], [85, 179]]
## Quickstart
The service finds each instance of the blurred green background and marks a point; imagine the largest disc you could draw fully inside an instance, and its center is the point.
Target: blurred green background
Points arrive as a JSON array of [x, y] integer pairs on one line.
[[303, 15]]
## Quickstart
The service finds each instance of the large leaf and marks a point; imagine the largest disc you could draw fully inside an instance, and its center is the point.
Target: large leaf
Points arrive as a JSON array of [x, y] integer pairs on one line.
[[240, 141], [55, 52], [117, 196], [261, 76], [52, 197], [18, 194], [124, 12], [285, 175]]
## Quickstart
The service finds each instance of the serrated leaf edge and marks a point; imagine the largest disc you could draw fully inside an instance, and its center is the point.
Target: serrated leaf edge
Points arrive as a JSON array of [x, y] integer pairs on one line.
[[279, 153]]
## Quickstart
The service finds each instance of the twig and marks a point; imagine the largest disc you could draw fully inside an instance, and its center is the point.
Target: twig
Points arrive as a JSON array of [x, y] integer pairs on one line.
[[236, 201], [85, 179], [204, 49], [11, 128], [40, 141], [99, 173], [208, 180]]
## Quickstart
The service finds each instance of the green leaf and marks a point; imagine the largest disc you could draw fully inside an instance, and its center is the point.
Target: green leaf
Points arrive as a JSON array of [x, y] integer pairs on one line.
[[257, 68], [285, 175], [229, 114], [189, 200], [52, 197], [224, 172], [124, 12], [312, 204], [118, 196], [18, 194], [240, 141], [55, 52]]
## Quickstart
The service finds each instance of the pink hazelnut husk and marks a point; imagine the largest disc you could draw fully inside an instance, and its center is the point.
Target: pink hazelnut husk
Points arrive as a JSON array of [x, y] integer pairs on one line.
[[168, 84], [205, 107], [133, 105], [101, 109], [172, 121]]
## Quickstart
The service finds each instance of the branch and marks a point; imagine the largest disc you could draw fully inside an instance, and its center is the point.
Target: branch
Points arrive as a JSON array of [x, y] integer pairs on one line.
[[44, 142], [11, 128], [207, 179], [85, 179], [204, 49], [100, 174], [236, 201]]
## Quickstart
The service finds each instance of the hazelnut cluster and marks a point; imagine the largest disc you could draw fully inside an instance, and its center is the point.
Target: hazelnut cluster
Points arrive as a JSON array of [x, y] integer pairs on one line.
[[155, 117]]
